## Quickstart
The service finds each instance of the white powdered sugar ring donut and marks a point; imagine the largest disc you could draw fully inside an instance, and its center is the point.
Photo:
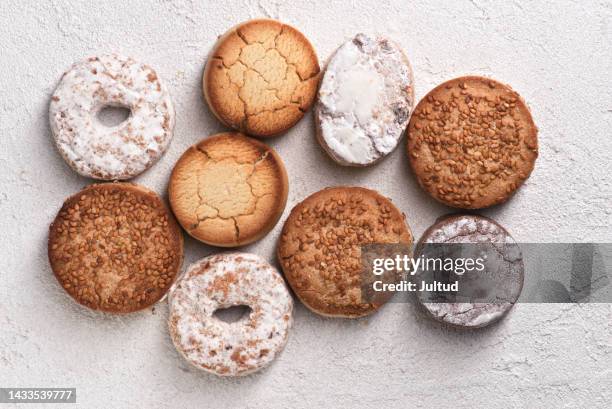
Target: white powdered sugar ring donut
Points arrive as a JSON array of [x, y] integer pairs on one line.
[[111, 152], [222, 281], [502, 255], [365, 100]]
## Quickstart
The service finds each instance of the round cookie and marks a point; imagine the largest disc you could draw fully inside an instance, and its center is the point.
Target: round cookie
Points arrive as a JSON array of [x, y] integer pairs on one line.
[[364, 101], [228, 190], [472, 142], [499, 284], [319, 249], [261, 78], [115, 247], [221, 281], [116, 152]]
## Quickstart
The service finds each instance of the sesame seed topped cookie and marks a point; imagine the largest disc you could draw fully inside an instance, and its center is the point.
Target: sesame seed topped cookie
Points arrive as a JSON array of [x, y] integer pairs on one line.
[[320, 247], [472, 142], [115, 247], [261, 78]]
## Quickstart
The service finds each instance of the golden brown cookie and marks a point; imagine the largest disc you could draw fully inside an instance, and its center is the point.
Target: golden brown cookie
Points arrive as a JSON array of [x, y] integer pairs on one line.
[[472, 142], [261, 78], [228, 190], [115, 247], [319, 249]]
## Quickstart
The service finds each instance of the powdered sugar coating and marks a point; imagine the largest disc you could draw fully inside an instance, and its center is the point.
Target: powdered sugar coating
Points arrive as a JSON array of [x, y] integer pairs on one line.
[[118, 152], [222, 281], [477, 229], [365, 100], [469, 315]]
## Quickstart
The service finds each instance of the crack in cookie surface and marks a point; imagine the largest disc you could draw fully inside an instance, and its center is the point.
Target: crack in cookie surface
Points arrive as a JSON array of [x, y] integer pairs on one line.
[[228, 189], [218, 198], [262, 77]]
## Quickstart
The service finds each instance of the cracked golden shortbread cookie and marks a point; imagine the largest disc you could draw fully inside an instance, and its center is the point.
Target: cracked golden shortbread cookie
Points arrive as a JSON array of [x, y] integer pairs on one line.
[[228, 190], [320, 247], [472, 142], [115, 247], [261, 77]]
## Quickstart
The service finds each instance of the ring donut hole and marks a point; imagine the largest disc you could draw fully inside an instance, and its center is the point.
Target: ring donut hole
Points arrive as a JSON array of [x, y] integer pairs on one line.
[[233, 314], [113, 115]]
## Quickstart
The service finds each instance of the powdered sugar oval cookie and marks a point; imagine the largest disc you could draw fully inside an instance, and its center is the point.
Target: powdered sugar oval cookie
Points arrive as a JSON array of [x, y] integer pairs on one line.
[[365, 100], [116, 152], [500, 283], [221, 281]]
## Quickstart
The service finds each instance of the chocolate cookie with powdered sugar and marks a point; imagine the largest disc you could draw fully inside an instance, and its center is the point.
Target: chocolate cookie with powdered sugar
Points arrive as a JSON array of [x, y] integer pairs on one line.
[[483, 295]]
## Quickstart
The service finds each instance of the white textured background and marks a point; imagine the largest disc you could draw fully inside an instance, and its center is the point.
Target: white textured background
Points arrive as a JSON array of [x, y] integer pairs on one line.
[[557, 54]]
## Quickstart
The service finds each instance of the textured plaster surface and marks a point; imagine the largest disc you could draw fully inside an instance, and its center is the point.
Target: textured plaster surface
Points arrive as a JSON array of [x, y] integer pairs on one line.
[[556, 54]]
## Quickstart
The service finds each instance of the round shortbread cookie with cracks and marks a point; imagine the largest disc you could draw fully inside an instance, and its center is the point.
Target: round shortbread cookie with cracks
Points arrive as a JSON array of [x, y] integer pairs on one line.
[[228, 190], [320, 247], [111, 152], [115, 247], [472, 142], [222, 281], [365, 100], [261, 78], [499, 284]]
